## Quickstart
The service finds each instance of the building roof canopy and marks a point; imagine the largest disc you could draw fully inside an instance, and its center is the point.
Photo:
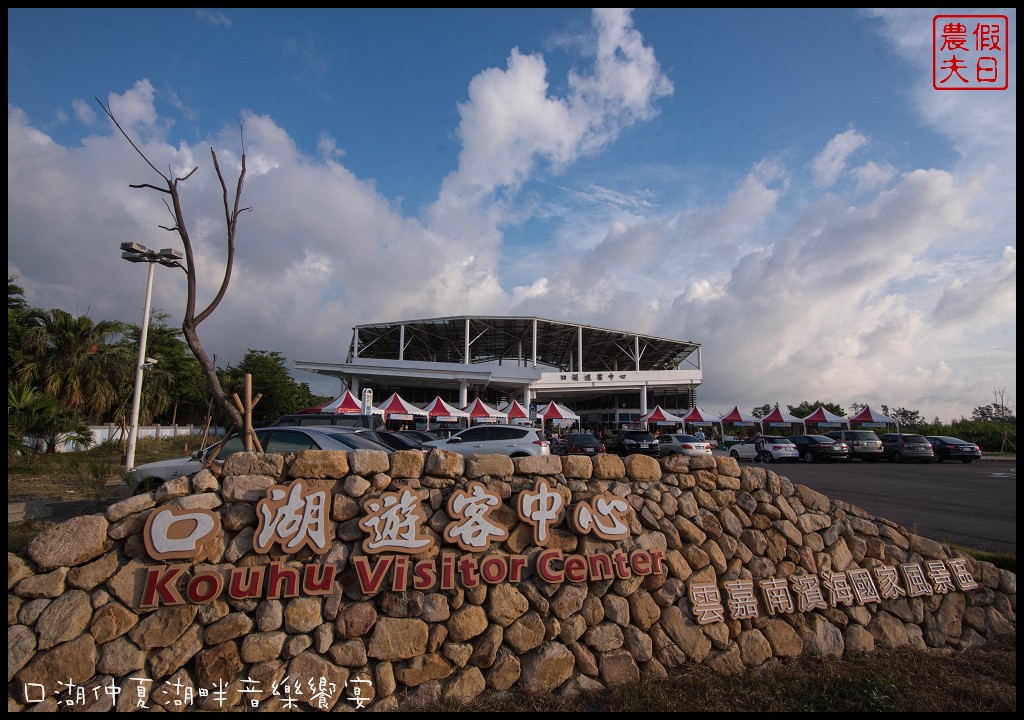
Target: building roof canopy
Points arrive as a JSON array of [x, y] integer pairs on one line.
[[511, 338]]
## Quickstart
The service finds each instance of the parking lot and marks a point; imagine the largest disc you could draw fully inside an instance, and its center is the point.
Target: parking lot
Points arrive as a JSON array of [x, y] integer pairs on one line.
[[973, 505]]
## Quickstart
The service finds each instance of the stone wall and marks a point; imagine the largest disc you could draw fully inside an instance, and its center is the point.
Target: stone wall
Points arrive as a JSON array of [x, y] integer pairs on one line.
[[711, 554]]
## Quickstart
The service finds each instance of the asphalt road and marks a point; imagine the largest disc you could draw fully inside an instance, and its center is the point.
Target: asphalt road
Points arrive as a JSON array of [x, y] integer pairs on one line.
[[972, 505]]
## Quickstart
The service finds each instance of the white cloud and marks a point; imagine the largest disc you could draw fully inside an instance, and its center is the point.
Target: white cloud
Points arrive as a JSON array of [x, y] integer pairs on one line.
[[214, 18], [831, 162], [795, 293], [871, 176]]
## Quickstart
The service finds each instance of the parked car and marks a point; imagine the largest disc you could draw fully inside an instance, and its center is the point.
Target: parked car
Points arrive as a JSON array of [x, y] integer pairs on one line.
[[777, 449], [898, 447], [391, 438], [951, 448], [511, 440], [578, 444], [863, 444], [419, 435], [820, 447], [340, 419], [679, 444], [150, 476], [629, 442]]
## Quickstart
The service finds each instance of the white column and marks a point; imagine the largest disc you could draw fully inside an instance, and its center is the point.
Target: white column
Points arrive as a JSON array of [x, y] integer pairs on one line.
[[466, 342], [463, 394], [535, 343], [401, 341], [579, 349]]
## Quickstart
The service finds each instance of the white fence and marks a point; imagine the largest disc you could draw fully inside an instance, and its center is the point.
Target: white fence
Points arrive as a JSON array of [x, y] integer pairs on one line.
[[106, 433]]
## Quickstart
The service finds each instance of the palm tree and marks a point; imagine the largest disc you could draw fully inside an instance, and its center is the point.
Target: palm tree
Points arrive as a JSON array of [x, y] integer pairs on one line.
[[74, 360], [31, 413]]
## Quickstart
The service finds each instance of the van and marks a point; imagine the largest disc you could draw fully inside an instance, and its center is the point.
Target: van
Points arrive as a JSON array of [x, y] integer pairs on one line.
[[864, 444]]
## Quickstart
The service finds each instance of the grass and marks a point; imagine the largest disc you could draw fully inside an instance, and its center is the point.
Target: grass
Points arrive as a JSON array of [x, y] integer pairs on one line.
[[976, 680], [85, 475]]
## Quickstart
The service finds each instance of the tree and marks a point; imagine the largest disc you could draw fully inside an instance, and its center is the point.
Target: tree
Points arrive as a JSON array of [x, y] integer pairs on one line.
[[17, 318], [904, 417], [805, 408], [997, 411], [232, 210], [73, 360], [270, 377], [761, 410], [31, 413], [175, 387]]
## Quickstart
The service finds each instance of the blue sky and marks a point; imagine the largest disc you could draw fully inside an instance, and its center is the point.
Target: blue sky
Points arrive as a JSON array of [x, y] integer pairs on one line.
[[783, 186]]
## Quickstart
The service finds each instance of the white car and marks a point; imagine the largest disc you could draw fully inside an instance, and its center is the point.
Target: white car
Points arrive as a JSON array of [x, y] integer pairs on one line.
[[511, 440], [150, 476], [679, 444], [777, 449]]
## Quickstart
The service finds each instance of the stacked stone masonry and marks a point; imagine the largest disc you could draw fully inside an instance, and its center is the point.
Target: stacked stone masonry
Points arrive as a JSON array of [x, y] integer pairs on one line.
[[700, 530]]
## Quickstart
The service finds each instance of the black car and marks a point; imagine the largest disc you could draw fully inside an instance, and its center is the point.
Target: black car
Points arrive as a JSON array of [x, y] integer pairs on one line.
[[820, 447], [419, 435], [578, 444], [629, 442], [951, 448]]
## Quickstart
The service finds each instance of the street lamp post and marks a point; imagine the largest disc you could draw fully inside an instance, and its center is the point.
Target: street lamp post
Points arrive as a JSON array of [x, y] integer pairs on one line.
[[135, 252]]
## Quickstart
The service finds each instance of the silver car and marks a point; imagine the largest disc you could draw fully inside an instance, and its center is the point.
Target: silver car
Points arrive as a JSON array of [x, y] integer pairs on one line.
[[679, 444], [150, 476], [511, 440]]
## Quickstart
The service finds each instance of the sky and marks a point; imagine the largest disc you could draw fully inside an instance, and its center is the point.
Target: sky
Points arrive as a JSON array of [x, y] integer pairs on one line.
[[784, 187]]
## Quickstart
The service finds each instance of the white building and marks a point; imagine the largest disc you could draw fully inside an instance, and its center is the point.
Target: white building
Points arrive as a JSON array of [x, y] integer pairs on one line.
[[605, 376]]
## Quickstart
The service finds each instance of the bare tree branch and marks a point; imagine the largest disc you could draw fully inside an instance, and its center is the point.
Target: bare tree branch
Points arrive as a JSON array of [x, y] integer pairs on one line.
[[190, 321]]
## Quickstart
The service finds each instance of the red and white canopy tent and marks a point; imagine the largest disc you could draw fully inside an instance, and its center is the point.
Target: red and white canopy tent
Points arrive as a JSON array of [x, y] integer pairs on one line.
[[736, 418], [822, 419], [441, 411], [868, 418], [781, 420], [344, 403], [395, 408], [700, 418], [481, 412], [560, 414], [660, 416], [516, 412]]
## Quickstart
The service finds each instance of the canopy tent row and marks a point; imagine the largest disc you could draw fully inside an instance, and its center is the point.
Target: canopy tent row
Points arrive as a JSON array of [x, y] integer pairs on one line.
[[779, 419], [554, 411], [441, 411], [346, 403], [395, 408], [868, 418], [516, 412], [740, 418], [701, 418], [823, 419], [479, 411], [658, 415]]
